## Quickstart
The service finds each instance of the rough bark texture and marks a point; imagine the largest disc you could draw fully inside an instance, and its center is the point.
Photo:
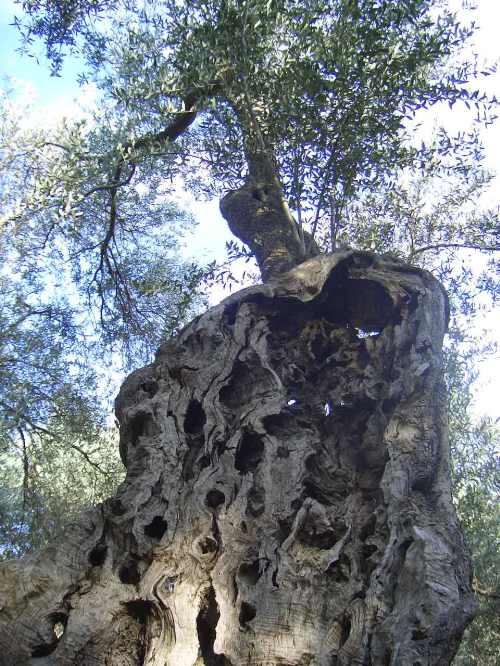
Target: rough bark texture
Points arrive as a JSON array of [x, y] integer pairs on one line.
[[287, 498], [258, 215]]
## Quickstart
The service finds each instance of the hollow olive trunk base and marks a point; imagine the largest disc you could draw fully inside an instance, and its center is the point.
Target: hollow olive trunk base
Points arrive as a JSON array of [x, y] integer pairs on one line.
[[287, 499]]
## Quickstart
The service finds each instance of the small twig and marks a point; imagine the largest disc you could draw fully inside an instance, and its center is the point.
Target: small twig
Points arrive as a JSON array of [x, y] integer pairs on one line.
[[85, 455], [25, 469], [457, 246]]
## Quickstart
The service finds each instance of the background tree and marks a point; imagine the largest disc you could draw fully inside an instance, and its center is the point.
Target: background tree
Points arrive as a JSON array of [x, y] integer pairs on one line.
[[476, 480]]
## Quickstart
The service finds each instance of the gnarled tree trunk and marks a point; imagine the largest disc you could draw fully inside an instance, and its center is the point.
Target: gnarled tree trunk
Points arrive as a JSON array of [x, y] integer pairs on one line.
[[287, 498]]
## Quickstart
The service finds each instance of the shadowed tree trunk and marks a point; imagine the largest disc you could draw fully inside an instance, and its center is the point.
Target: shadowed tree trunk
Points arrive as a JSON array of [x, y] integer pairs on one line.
[[287, 498]]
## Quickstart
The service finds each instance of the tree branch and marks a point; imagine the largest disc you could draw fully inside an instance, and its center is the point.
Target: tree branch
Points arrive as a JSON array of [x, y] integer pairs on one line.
[[25, 469], [86, 456], [489, 594], [24, 417], [457, 246], [169, 134], [112, 186]]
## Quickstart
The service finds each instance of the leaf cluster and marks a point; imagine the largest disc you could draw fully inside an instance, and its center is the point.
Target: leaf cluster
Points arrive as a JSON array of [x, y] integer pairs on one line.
[[327, 88]]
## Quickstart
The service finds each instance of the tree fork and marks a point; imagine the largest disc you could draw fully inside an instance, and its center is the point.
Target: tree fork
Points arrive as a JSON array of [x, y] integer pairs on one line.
[[287, 497]]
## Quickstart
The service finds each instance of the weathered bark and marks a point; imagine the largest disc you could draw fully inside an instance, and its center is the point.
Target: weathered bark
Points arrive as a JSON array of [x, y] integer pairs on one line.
[[258, 215], [287, 498]]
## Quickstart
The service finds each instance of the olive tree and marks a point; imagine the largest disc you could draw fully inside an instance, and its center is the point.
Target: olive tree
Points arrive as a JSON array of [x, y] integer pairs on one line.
[[287, 496]]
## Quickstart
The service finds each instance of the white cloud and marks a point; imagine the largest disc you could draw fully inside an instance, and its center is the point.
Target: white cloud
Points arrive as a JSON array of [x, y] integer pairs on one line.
[[36, 111]]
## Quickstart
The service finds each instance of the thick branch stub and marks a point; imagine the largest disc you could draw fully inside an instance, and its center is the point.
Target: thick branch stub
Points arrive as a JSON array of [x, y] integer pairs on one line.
[[257, 215]]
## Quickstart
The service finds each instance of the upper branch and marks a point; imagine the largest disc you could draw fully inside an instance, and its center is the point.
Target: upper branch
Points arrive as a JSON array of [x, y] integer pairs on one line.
[[128, 157]]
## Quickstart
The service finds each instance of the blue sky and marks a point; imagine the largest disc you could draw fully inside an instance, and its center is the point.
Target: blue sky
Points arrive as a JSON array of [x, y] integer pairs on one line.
[[25, 68]]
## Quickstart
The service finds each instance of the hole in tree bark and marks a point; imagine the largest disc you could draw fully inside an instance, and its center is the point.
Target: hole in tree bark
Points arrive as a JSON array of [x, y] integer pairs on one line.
[[346, 630], [260, 193], [274, 578], [339, 571], [388, 406], [249, 572], [195, 418], [256, 501], [156, 528], [361, 333], [214, 498], [204, 461], [44, 649], [139, 609], [323, 540], [284, 529], [117, 507], [362, 304], [219, 447], [249, 452], [194, 422], [58, 623], [142, 424], [97, 555], [129, 573], [368, 550], [403, 547], [207, 545], [368, 565], [206, 627], [150, 387], [321, 348], [368, 528], [169, 584], [418, 634], [247, 613], [279, 425], [248, 381]]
